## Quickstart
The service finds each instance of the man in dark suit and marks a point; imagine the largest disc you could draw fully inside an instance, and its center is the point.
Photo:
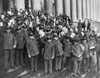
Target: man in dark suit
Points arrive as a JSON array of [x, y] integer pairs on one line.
[[77, 51], [9, 45], [20, 47], [48, 55], [58, 52], [32, 49]]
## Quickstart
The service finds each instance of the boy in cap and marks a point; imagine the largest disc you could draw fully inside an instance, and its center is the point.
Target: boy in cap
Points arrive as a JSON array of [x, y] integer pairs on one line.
[[48, 55], [77, 52], [58, 52], [20, 47], [85, 54], [67, 51], [32, 49], [9, 45], [92, 46]]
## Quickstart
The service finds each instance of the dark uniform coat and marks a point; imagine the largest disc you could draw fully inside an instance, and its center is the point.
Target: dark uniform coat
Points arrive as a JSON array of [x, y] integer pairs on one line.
[[20, 40], [58, 48], [77, 51], [67, 47], [9, 41], [86, 50], [32, 47], [49, 50]]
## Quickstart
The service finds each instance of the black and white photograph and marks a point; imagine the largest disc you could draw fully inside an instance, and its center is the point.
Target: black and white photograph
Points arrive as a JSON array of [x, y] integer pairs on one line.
[[49, 38]]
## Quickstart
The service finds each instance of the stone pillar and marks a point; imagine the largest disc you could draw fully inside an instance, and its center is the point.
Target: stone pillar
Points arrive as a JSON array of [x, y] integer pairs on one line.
[[88, 8], [30, 2], [94, 11], [91, 6], [36, 4], [49, 5], [84, 9], [67, 7], [20, 4], [74, 12], [11, 4], [99, 11], [42, 5], [79, 9], [1, 6], [59, 7]]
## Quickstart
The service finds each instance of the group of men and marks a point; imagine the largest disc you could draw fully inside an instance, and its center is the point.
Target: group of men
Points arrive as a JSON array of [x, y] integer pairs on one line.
[[54, 38]]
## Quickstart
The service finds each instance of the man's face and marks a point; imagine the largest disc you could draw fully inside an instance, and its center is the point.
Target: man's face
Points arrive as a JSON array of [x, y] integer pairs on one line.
[[56, 38], [8, 30], [49, 40], [19, 31], [32, 37]]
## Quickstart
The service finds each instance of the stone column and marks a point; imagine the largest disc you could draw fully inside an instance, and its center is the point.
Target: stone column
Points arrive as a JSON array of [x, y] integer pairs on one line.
[[84, 9], [74, 12], [99, 11], [94, 11], [88, 8], [59, 6], [30, 2], [79, 9], [1, 6], [36, 4], [91, 6], [11, 4], [49, 5], [42, 4], [67, 7], [20, 4]]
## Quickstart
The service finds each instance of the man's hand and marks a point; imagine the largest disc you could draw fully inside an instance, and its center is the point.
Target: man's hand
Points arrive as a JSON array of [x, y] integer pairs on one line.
[[53, 57], [29, 56], [14, 46]]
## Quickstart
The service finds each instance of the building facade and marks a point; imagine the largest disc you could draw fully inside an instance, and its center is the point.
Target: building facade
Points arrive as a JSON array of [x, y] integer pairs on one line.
[[76, 9]]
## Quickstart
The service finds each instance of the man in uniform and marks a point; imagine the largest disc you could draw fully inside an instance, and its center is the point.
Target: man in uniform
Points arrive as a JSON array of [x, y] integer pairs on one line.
[[32, 49], [48, 55], [20, 47], [67, 51], [77, 51], [9, 45], [58, 52]]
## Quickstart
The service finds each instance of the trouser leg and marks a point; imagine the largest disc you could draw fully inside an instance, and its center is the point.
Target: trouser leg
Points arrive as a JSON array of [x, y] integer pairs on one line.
[[75, 66], [79, 66], [21, 57], [68, 62], [50, 66], [6, 60], [12, 58], [17, 57], [35, 58], [56, 63], [64, 62], [59, 62], [46, 66], [32, 63]]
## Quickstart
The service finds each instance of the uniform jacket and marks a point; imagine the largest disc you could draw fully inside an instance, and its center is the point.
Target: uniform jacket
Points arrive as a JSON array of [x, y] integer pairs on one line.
[[86, 50], [20, 40], [77, 51], [9, 40], [49, 50], [98, 46], [67, 47], [32, 47], [58, 48]]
